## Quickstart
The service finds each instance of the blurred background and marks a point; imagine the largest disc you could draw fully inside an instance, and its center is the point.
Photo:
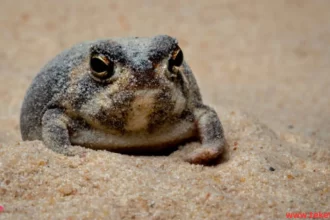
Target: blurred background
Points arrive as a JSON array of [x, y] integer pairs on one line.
[[268, 58]]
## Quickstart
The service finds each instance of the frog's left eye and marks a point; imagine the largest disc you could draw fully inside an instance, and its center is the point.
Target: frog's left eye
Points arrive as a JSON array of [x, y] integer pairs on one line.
[[101, 67], [176, 60]]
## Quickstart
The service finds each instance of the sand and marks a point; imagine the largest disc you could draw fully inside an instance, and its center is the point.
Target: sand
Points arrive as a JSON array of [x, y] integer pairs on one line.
[[263, 65]]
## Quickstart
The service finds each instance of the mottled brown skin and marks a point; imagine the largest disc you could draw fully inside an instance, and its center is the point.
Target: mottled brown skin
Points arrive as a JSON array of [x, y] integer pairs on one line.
[[148, 102]]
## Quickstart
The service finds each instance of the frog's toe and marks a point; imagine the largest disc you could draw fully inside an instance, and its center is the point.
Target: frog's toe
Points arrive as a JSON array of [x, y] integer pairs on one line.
[[204, 155]]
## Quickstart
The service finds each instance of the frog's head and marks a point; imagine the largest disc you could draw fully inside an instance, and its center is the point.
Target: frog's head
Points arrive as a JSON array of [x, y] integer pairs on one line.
[[140, 82]]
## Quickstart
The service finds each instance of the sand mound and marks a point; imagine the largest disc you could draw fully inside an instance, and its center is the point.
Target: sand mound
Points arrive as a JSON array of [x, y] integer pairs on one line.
[[260, 175], [268, 58]]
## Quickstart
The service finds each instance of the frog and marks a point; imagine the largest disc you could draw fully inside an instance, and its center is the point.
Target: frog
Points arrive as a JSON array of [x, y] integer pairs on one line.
[[125, 95]]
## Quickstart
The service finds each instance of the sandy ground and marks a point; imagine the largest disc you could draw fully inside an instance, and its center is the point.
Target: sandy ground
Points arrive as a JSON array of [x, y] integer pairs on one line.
[[263, 65]]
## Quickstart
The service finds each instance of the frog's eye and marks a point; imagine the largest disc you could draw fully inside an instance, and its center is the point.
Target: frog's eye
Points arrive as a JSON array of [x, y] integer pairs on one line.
[[101, 67], [176, 60]]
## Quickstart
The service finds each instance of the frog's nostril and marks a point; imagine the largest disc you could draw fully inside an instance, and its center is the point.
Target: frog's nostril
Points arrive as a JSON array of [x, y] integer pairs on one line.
[[143, 66], [144, 69]]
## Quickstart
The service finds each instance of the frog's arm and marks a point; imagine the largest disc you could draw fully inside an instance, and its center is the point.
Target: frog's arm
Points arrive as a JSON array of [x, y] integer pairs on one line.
[[55, 133], [211, 135]]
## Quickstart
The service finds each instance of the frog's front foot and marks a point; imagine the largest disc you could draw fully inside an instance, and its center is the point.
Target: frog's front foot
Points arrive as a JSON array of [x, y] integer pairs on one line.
[[204, 155]]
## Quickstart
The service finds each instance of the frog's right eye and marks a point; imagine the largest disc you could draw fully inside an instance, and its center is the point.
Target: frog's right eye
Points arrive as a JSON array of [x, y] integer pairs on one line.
[[101, 67]]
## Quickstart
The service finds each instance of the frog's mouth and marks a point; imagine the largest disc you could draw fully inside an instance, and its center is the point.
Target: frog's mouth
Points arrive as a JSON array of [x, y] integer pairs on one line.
[[141, 108], [154, 107]]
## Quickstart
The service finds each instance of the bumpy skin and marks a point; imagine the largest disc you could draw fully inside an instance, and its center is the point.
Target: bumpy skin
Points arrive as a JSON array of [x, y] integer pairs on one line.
[[144, 107]]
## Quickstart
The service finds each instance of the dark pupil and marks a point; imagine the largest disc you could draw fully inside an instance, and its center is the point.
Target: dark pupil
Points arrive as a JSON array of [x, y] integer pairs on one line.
[[177, 61], [98, 65]]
